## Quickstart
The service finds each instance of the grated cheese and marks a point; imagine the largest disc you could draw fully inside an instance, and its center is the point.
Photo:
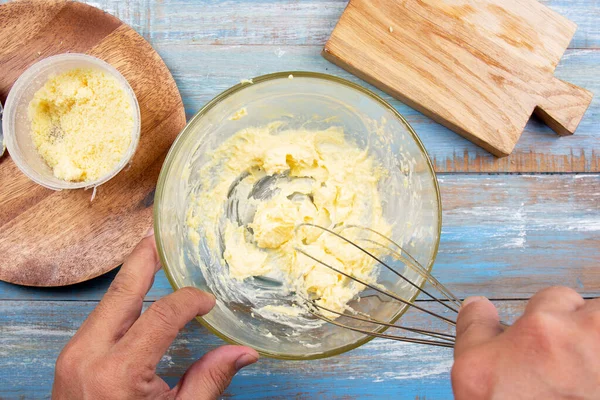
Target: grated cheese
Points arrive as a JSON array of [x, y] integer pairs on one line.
[[81, 123]]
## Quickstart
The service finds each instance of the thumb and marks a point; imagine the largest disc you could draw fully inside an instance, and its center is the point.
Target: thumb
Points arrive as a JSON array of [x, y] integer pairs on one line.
[[477, 323], [208, 377]]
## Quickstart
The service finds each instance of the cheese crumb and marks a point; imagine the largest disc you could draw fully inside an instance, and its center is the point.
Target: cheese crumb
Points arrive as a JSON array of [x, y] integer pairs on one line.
[[391, 29], [242, 81], [81, 123], [291, 76]]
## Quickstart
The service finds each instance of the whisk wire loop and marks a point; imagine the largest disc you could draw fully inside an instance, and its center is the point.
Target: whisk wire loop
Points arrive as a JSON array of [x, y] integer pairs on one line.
[[382, 291], [410, 261], [407, 339], [451, 302], [438, 335]]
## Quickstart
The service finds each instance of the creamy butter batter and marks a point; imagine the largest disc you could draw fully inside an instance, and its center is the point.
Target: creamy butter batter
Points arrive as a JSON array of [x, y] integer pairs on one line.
[[263, 182]]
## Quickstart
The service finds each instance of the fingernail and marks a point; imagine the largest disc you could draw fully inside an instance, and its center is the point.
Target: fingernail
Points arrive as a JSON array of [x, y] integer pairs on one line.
[[244, 360], [471, 299], [150, 232]]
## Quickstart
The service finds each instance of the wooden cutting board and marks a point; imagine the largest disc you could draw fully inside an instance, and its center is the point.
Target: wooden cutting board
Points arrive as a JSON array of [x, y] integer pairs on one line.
[[50, 238], [479, 67]]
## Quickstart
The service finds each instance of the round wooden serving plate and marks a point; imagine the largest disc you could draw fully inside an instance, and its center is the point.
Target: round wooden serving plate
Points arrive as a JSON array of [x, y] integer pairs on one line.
[[50, 238]]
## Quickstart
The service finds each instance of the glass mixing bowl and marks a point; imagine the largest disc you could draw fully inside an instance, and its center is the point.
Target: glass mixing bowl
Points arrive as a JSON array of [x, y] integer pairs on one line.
[[410, 196]]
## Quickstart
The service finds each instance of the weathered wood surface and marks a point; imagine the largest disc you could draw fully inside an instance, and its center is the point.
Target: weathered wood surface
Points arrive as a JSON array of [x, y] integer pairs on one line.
[[32, 334], [283, 22], [503, 236], [211, 45]]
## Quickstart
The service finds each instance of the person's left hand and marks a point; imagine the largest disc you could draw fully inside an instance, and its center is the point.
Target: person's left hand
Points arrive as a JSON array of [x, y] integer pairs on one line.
[[114, 353]]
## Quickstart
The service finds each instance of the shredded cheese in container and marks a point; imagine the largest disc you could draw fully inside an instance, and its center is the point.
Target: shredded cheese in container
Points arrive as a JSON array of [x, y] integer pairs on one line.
[[81, 123]]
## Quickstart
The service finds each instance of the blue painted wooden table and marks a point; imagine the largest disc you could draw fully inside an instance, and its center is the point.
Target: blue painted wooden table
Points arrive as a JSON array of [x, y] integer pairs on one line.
[[510, 226]]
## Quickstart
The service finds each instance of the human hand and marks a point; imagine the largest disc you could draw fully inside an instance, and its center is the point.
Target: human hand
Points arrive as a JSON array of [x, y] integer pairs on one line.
[[551, 352], [114, 353]]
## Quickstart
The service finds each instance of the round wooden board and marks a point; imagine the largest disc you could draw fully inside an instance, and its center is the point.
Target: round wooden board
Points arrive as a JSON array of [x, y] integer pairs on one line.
[[50, 238]]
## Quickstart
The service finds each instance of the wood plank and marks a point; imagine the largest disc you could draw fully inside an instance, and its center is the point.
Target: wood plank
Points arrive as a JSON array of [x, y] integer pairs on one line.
[[201, 75], [279, 22], [503, 236], [508, 237], [32, 334]]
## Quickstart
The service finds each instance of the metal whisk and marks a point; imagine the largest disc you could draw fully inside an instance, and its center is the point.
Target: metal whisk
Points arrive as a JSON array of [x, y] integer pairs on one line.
[[447, 299]]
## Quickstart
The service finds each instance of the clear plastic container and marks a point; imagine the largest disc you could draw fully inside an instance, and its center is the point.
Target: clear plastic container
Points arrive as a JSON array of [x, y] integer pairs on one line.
[[17, 126]]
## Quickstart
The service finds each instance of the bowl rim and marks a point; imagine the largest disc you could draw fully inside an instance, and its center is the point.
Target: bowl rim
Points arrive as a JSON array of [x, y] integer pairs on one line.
[[17, 91], [175, 147]]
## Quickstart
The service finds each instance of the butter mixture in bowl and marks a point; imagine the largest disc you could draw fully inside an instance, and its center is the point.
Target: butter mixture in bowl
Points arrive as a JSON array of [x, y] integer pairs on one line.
[[237, 189], [261, 184]]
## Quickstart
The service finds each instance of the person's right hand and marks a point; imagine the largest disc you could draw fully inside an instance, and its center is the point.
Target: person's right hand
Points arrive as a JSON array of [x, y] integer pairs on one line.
[[551, 352]]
